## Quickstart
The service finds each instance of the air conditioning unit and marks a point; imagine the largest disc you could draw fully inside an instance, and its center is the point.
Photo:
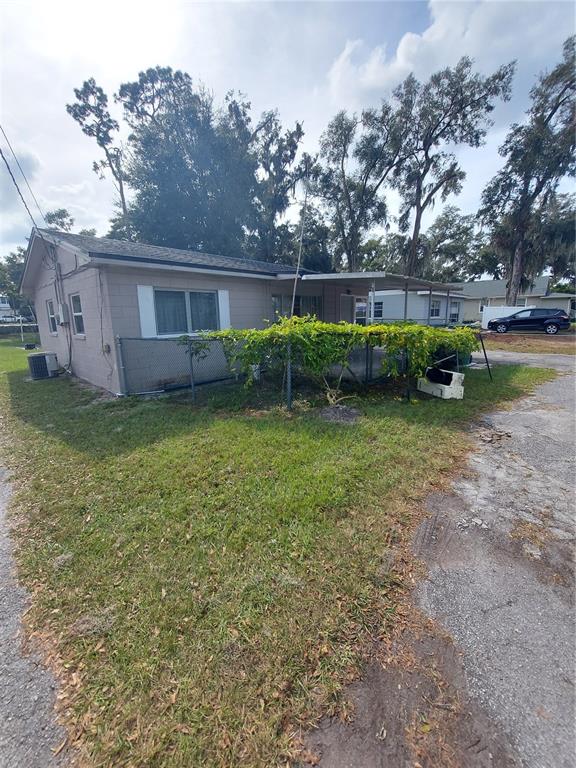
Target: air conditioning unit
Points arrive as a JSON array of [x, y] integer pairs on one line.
[[43, 365]]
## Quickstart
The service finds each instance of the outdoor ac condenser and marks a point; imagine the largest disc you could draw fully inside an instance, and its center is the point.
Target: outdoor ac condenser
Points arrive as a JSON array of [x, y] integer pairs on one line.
[[43, 365]]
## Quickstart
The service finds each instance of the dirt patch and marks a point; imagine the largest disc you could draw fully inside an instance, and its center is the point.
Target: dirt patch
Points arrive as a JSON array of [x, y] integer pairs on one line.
[[340, 414], [409, 709]]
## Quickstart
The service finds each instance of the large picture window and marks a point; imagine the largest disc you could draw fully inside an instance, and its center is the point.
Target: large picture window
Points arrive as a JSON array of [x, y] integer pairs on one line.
[[185, 312]]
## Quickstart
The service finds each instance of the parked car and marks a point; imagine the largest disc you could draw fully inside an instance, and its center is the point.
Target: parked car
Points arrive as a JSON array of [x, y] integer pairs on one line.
[[549, 320]]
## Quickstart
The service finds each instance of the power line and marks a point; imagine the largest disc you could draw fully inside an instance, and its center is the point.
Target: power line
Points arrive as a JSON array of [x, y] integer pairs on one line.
[[17, 188], [23, 174]]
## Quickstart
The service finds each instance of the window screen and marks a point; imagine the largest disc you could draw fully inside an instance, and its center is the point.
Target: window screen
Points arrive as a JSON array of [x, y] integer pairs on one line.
[[170, 312], [203, 311]]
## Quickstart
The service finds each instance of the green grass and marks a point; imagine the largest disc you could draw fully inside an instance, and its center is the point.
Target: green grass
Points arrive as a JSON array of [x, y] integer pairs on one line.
[[209, 576]]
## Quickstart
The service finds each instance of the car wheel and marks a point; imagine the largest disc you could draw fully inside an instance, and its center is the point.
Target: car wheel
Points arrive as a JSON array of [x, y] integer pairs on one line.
[[552, 328], [501, 328]]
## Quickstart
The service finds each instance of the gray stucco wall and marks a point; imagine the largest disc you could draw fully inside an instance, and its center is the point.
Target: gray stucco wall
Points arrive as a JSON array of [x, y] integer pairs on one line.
[[84, 353]]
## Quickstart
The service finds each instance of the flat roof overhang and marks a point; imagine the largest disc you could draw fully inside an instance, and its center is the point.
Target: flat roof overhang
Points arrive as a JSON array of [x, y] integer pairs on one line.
[[380, 281]]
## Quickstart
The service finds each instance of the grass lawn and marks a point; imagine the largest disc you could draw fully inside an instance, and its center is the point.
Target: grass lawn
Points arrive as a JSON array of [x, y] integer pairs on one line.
[[207, 577], [562, 344]]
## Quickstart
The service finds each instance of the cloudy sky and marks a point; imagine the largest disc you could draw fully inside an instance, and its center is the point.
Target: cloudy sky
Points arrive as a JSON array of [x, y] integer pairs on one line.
[[306, 59]]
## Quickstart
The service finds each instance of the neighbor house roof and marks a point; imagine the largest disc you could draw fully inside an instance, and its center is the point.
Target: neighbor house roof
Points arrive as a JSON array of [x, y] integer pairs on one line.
[[492, 289], [122, 250]]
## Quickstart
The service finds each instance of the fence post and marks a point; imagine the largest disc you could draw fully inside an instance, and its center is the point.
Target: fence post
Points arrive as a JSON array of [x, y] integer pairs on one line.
[[289, 378], [191, 364], [367, 368], [121, 368]]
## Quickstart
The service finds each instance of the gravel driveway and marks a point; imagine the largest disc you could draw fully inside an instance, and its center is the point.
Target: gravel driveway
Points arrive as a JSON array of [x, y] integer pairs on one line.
[[29, 734], [493, 669], [500, 556]]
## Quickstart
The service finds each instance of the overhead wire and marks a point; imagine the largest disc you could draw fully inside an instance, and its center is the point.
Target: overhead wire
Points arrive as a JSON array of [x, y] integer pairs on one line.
[[23, 174]]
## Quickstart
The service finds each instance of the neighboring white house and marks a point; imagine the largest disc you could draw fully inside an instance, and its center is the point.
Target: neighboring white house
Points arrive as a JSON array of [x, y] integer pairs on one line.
[[5, 308], [428, 307], [492, 293]]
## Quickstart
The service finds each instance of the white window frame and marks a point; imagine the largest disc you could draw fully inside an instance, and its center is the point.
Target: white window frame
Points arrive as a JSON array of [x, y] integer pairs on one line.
[[51, 317], [435, 307], [80, 334], [524, 302]]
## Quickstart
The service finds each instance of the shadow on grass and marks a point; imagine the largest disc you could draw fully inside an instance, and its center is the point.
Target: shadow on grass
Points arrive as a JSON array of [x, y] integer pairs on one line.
[[84, 420]]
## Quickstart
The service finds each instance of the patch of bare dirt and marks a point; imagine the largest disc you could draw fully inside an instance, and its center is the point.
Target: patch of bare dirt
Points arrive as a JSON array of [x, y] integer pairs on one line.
[[340, 414], [409, 709]]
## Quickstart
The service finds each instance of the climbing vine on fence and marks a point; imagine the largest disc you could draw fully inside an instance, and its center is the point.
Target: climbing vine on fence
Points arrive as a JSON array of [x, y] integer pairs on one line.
[[316, 348]]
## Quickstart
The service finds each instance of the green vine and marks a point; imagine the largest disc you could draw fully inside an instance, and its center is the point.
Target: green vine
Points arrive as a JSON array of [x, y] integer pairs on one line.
[[318, 348]]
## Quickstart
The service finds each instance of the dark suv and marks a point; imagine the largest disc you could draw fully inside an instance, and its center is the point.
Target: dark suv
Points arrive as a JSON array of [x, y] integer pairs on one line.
[[549, 320]]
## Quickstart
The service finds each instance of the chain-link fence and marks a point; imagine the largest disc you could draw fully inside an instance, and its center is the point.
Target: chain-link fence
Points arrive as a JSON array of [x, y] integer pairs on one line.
[[161, 365]]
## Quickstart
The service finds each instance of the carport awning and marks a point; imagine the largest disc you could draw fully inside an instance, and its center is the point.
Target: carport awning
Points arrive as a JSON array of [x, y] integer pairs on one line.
[[379, 281]]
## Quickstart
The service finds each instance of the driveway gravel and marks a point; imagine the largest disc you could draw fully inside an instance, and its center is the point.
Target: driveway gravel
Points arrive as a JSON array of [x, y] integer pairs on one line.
[[500, 555], [29, 733]]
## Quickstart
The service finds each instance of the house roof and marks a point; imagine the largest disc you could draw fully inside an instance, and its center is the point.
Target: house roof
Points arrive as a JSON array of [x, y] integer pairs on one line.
[[123, 250], [492, 289]]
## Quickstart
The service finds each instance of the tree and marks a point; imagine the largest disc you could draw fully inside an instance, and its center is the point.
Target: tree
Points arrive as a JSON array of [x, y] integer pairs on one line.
[[91, 112], [385, 253], [59, 219], [277, 177], [203, 176], [316, 241], [11, 269], [449, 248], [451, 108], [358, 156], [62, 220], [538, 153], [556, 237]]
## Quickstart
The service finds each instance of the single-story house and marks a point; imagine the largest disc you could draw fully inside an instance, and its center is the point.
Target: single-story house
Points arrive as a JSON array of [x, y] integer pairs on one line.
[[492, 293], [113, 310], [428, 307]]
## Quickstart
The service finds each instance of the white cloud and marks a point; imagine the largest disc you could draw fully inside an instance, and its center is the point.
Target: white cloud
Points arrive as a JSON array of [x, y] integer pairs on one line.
[[492, 33]]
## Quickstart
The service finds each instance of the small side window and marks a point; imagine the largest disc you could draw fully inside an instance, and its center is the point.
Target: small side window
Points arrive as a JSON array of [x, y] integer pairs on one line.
[[77, 316], [52, 324]]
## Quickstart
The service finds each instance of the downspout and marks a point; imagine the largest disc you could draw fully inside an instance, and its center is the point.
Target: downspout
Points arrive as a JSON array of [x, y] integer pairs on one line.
[[429, 307], [447, 304]]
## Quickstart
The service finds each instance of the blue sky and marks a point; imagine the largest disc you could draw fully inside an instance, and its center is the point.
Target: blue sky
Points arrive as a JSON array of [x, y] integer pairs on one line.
[[307, 59]]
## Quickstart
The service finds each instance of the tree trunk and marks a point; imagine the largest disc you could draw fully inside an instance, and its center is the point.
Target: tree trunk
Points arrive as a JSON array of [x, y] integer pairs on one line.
[[513, 286], [412, 261]]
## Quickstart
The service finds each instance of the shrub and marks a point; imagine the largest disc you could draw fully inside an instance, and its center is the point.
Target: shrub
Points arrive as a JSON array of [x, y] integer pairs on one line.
[[317, 348]]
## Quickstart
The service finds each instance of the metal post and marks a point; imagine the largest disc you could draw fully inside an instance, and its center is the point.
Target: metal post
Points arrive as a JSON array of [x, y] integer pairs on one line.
[[405, 301], [289, 379], [121, 368], [191, 364], [429, 307], [447, 304], [367, 366], [481, 338], [372, 301]]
